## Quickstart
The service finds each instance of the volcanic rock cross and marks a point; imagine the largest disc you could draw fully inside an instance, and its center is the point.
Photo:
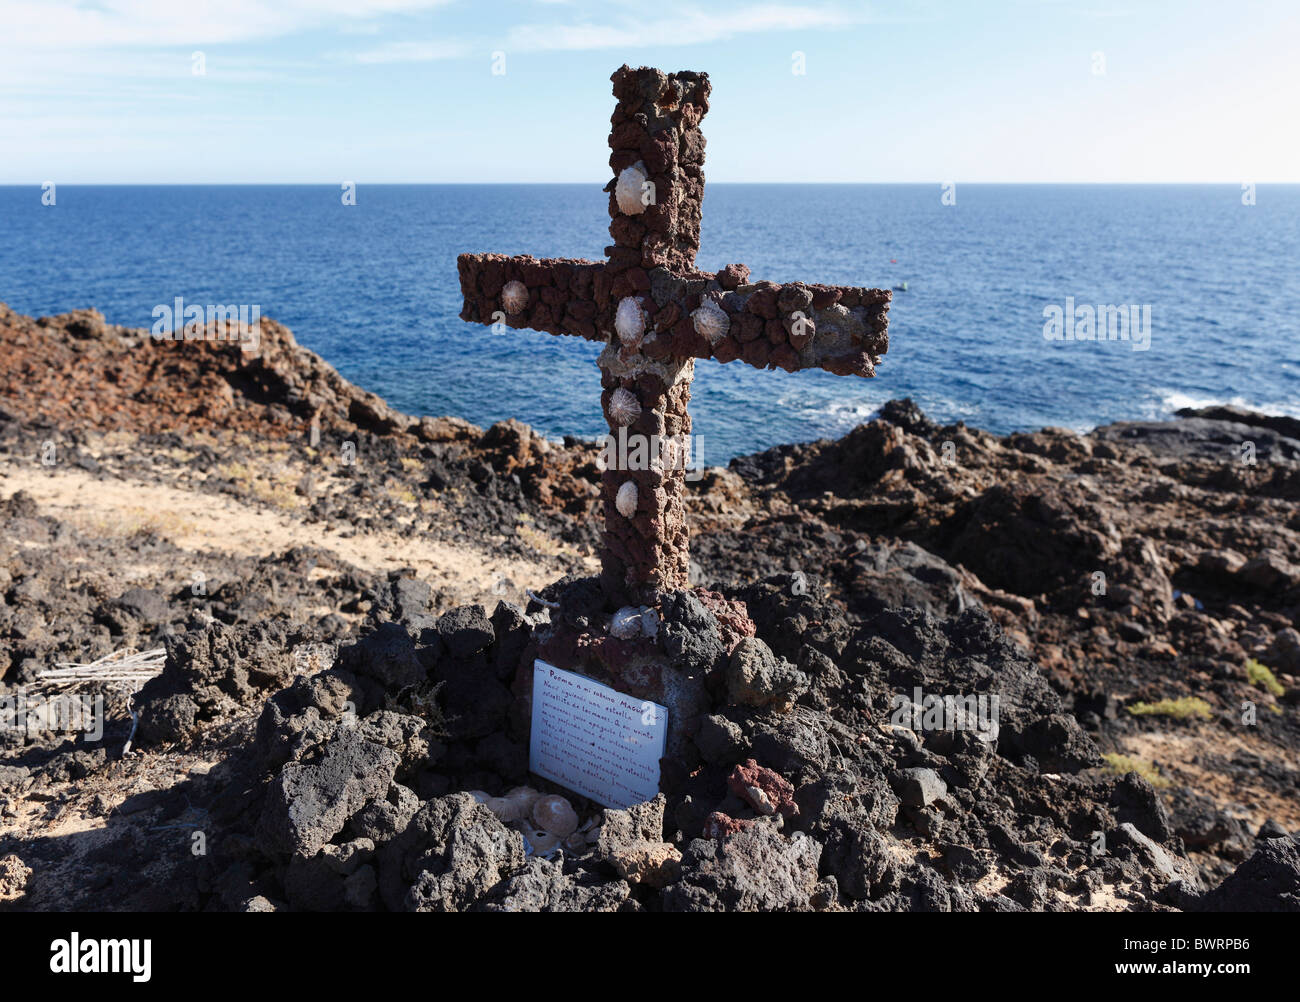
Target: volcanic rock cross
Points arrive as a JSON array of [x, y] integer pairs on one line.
[[657, 314]]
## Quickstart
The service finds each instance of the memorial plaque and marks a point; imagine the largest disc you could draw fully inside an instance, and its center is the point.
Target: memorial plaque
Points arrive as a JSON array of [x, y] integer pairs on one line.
[[594, 740]]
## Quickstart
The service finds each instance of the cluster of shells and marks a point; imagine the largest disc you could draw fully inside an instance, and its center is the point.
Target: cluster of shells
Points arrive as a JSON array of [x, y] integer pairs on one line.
[[547, 821]]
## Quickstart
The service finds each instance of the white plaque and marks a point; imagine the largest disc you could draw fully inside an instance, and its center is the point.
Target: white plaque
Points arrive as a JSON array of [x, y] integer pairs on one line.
[[595, 740]]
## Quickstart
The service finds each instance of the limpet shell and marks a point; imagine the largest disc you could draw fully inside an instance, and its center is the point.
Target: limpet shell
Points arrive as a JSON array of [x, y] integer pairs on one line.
[[626, 623], [516, 805], [711, 321], [555, 815], [628, 189], [541, 843], [514, 297], [624, 408], [626, 499], [629, 321], [507, 809]]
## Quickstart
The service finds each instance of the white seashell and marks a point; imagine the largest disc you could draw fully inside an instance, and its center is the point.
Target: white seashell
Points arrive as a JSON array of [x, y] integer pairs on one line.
[[514, 297], [649, 623], [760, 801], [555, 815], [525, 796], [480, 797], [626, 623], [508, 810], [626, 498], [541, 843], [629, 321], [711, 321], [624, 408], [628, 190]]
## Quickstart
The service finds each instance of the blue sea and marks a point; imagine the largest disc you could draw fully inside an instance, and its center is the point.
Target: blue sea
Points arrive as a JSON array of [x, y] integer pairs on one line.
[[372, 287]]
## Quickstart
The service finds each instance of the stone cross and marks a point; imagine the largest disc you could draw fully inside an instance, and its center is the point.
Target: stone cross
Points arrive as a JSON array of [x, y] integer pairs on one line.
[[657, 314]]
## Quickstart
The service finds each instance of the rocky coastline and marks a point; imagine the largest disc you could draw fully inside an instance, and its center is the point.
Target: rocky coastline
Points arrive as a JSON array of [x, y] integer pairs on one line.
[[344, 596]]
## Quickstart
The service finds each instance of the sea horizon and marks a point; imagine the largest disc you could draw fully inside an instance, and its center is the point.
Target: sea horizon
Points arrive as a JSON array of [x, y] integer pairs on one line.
[[597, 181], [372, 288]]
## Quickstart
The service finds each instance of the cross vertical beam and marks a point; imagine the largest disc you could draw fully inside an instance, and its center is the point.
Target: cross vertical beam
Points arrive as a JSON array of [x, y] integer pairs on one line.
[[655, 208]]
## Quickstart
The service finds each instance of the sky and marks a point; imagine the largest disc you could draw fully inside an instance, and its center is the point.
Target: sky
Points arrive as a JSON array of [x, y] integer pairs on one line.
[[404, 91]]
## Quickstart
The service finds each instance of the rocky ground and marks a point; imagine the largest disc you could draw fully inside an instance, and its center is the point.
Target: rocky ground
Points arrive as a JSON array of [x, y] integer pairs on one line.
[[341, 592]]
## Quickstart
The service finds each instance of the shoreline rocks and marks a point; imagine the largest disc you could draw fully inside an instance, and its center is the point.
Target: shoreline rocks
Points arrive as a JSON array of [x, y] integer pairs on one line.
[[330, 727]]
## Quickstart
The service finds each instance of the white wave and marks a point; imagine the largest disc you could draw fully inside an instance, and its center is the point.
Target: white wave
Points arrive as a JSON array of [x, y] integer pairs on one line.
[[1174, 400], [829, 411]]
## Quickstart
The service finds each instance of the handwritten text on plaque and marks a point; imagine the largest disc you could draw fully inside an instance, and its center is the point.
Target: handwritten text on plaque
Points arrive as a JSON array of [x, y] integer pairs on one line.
[[595, 740]]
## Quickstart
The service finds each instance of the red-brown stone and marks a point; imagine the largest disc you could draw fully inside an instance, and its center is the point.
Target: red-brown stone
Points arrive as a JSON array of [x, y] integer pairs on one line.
[[746, 327], [766, 791], [824, 297], [785, 357], [757, 353], [721, 826], [762, 301], [727, 350]]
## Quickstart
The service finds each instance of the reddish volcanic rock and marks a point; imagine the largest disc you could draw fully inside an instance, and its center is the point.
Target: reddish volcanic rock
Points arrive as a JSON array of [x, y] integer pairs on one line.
[[733, 276], [731, 614], [764, 790], [720, 825]]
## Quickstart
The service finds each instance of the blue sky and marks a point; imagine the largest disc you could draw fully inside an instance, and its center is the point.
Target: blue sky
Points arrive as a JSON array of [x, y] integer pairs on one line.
[[323, 91]]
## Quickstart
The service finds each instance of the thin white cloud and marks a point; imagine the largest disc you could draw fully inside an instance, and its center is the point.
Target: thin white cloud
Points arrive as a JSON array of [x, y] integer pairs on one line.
[[63, 25], [410, 52], [684, 27]]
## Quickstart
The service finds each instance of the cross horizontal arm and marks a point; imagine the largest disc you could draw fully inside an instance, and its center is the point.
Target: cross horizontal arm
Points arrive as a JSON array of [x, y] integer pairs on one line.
[[842, 329], [555, 295]]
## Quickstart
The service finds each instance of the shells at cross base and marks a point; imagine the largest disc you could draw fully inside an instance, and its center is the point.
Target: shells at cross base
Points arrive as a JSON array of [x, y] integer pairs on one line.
[[514, 806], [626, 498], [629, 321], [514, 297], [711, 321], [624, 408], [627, 192], [626, 623], [554, 815], [540, 843], [508, 810]]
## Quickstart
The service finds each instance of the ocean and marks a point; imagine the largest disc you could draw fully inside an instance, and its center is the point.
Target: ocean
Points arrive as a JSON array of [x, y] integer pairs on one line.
[[372, 287]]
